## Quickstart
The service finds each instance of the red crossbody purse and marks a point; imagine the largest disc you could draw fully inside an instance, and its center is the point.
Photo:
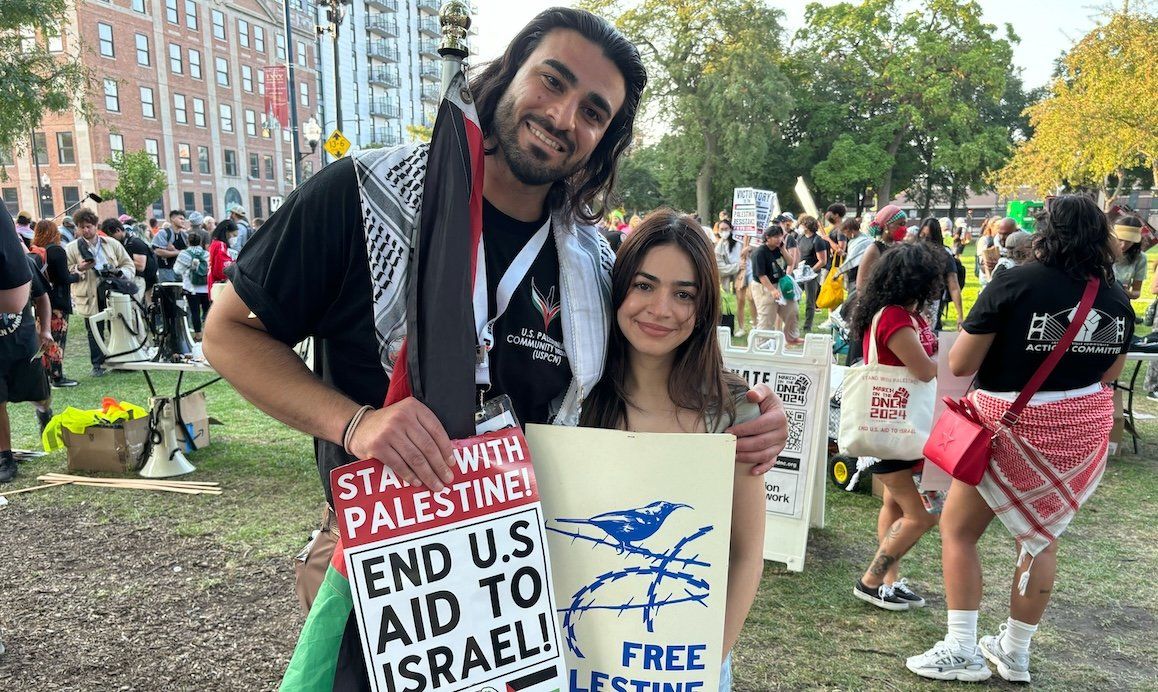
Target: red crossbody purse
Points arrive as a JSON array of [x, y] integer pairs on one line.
[[960, 442]]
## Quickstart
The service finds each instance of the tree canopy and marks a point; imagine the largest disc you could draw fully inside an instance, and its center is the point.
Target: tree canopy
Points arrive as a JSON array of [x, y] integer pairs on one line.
[[139, 182]]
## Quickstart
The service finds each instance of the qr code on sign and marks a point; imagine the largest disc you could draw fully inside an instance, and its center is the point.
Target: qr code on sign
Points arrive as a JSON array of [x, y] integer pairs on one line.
[[795, 442]]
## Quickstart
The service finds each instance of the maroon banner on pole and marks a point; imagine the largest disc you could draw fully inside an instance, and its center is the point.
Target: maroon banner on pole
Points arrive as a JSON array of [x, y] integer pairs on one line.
[[277, 93]]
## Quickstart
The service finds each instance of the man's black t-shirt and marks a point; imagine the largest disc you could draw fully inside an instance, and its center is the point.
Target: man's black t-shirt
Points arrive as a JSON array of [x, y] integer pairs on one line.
[[13, 268], [18, 330], [307, 274], [528, 362], [136, 246], [768, 262], [1028, 309]]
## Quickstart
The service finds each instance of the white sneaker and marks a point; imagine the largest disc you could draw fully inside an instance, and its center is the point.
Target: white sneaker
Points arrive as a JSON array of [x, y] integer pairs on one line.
[[1012, 667], [947, 661], [739, 333]]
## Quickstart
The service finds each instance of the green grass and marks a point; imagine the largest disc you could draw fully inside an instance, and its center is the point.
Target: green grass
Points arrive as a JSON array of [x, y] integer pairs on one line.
[[805, 631]]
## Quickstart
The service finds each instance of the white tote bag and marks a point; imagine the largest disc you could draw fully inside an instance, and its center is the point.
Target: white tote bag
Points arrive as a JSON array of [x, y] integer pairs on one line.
[[885, 411]]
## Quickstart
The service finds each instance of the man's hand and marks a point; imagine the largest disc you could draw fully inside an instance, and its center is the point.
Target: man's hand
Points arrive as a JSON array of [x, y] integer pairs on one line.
[[408, 438], [760, 441], [46, 340]]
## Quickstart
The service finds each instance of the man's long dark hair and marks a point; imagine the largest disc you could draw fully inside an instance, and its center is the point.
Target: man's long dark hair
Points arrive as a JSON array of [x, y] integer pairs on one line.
[[906, 273], [1074, 236], [580, 193], [698, 381]]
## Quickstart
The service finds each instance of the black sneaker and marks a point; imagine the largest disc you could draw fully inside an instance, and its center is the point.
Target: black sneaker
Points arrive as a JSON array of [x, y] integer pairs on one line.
[[882, 596], [1152, 396], [42, 417], [7, 467], [98, 372], [61, 382], [901, 590]]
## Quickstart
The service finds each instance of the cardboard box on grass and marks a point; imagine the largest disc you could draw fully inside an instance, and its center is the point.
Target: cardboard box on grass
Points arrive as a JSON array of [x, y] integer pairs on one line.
[[111, 449], [195, 414]]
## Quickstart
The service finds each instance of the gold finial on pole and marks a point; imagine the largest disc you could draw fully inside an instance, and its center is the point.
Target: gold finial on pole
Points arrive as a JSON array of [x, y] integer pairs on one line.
[[455, 20]]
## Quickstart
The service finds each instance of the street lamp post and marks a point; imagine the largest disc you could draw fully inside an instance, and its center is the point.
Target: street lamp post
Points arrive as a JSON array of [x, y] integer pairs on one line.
[[313, 134], [335, 13]]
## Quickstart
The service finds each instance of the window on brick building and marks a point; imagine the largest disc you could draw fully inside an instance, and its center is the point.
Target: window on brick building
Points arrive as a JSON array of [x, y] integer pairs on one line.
[[225, 111], [176, 66], [243, 33], [171, 12], [247, 78], [254, 167], [222, 69], [191, 15], [12, 200], [148, 109], [261, 82], [139, 6], [194, 63], [230, 157], [207, 203], [257, 206], [179, 109], [279, 51], [189, 200], [71, 195], [199, 112], [218, 24], [112, 96], [269, 174], [153, 149], [143, 50], [185, 157], [65, 151], [259, 39], [105, 38], [301, 48], [116, 145], [55, 39], [40, 146], [203, 160], [250, 122], [305, 89]]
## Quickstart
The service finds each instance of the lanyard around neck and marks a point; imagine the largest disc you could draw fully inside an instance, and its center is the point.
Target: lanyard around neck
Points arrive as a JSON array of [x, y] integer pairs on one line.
[[512, 277]]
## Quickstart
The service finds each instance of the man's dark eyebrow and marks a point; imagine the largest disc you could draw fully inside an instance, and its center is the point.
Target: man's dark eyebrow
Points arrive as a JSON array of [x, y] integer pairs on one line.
[[569, 76], [649, 277]]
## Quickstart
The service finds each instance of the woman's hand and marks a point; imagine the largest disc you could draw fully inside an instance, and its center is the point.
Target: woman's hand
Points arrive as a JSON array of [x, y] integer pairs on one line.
[[760, 440]]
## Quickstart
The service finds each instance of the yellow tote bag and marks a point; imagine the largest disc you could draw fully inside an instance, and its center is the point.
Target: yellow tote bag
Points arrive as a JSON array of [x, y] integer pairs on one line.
[[832, 290]]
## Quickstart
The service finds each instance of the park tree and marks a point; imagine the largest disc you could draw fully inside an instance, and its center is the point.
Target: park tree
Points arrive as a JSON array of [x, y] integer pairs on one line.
[[35, 81], [713, 76], [915, 83], [139, 182], [1097, 122]]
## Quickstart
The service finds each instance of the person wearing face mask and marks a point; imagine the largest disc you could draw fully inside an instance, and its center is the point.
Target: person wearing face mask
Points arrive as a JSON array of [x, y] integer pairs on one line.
[[89, 254], [727, 256]]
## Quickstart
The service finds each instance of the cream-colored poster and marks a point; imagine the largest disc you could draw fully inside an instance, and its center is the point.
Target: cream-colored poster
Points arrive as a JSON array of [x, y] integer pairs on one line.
[[638, 526]]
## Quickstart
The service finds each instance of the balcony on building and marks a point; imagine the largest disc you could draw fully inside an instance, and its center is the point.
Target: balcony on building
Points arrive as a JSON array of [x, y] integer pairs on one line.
[[386, 75], [385, 107], [385, 136], [384, 5], [428, 6], [429, 25], [383, 50], [431, 93], [430, 72], [428, 48], [382, 25]]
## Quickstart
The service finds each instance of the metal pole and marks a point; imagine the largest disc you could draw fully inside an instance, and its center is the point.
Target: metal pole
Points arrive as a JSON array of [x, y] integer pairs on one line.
[[291, 87], [36, 183], [335, 22], [454, 18]]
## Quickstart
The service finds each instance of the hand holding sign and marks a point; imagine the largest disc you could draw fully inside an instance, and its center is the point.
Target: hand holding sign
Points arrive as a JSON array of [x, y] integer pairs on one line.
[[409, 439], [760, 441]]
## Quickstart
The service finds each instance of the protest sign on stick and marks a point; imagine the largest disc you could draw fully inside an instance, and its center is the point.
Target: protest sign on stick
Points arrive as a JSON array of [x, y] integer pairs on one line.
[[452, 590], [639, 527], [751, 210]]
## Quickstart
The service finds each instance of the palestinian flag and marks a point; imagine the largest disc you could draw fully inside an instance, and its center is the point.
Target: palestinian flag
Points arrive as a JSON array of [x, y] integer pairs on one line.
[[437, 363]]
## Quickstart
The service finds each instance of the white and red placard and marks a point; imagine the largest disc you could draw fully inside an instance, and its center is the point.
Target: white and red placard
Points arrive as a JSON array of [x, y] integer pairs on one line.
[[452, 589]]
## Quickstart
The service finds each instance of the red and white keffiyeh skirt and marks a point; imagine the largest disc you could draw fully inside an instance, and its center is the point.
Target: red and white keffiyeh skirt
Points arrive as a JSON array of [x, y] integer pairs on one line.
[[1047, 466]]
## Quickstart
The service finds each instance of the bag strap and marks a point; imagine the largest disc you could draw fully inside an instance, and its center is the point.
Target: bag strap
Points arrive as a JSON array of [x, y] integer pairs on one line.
[[872, 354], [1009, 419]]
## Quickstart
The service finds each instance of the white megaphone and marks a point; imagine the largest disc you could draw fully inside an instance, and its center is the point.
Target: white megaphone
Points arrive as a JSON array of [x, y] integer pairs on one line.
[[166, 459], [128, 336]]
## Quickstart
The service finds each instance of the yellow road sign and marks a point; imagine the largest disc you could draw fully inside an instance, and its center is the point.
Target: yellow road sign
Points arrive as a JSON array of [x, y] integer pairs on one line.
[[337, 144]]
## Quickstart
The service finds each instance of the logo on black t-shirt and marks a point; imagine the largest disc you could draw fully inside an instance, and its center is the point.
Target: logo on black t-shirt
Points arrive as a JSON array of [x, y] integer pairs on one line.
[[548, 305], [1101, 334]]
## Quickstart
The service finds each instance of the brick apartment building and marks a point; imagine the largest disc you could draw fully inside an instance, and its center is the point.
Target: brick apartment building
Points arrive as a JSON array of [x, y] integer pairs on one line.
[[182, 80]]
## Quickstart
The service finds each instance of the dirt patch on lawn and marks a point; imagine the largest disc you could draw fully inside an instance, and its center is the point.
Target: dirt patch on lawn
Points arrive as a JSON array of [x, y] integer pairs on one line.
[[91, 602]]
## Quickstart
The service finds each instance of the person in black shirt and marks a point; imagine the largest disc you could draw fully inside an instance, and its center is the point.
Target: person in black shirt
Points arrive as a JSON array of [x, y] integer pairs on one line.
[[143, 258], [770, 264], [1049, 461], [60, 280], [813, 253]]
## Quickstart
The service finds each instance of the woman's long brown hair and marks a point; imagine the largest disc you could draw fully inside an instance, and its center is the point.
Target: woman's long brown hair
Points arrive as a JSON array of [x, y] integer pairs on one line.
[[698, 380], [45, 234]]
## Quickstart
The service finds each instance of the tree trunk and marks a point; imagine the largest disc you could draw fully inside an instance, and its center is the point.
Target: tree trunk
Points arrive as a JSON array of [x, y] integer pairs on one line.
[[885, 188], [1112, 197], [927, 202], [953, 193], [704, 178], [861, 197]]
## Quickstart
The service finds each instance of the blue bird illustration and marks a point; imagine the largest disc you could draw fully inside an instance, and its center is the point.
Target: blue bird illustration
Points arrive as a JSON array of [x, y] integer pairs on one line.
[[628, 526]]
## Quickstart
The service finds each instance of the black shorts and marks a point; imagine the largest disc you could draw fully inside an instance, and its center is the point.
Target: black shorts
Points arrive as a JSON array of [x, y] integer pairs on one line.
[[891, 465], [24, 380]]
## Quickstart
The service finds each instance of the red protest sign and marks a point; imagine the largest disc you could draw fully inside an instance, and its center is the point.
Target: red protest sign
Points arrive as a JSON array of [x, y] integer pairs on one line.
[[277, 93]]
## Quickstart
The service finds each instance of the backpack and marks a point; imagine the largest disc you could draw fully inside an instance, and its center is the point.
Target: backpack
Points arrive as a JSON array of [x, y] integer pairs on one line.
[[199, 268], [960, 272]]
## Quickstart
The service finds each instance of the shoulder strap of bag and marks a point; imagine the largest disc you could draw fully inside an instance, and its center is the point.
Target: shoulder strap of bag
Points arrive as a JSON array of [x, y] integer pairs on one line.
[[872, 337], [1051, 361]]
